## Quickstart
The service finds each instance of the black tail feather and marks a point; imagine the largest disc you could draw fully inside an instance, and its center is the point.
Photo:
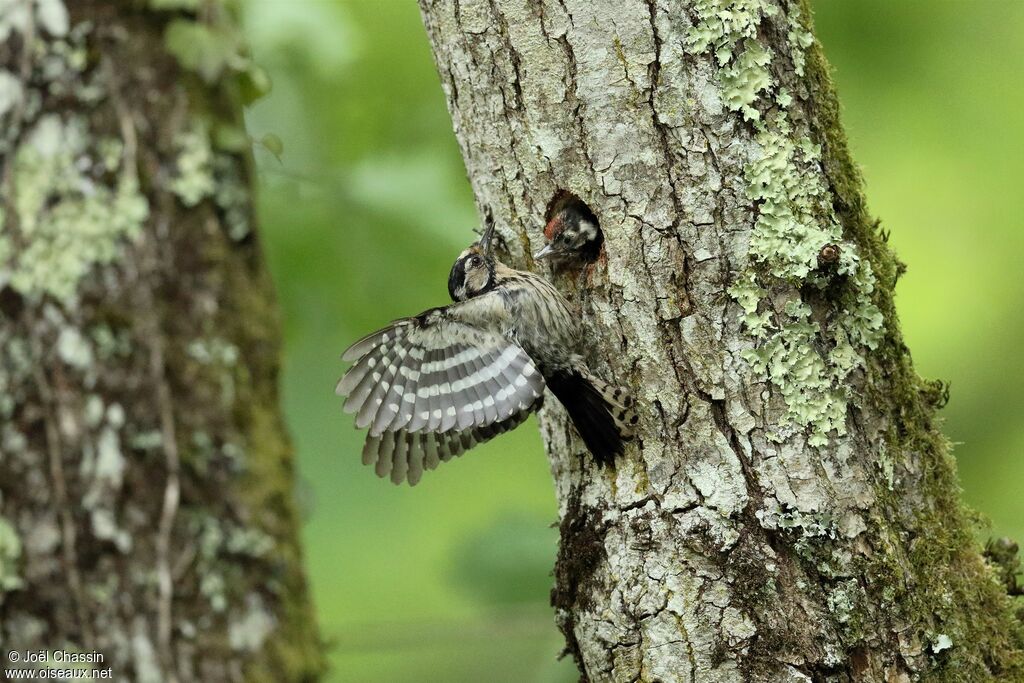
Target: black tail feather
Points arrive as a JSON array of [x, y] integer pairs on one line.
[[591, 414]]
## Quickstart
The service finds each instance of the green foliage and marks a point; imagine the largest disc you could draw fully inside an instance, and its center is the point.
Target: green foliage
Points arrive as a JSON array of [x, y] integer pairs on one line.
[[273, 144], [207, 50], [215, 49]]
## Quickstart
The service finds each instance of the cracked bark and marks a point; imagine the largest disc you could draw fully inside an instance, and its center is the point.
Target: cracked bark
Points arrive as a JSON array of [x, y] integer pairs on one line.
[[146, 478], [715, 550]]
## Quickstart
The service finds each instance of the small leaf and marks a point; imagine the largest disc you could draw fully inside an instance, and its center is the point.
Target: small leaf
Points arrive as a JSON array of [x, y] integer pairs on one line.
[[254, 83], [273, 144], [230, 138], [200, 48]]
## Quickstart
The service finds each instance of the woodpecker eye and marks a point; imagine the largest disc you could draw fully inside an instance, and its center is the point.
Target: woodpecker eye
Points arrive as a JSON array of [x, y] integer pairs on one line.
[[475, 261]]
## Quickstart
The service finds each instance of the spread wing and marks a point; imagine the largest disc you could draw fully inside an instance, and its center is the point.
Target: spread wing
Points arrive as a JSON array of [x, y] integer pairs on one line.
[[436, 374], [405, 455]]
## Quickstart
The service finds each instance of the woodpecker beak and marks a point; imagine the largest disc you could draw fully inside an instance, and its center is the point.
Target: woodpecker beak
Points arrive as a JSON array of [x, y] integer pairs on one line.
[[485, 239], [543, 252]]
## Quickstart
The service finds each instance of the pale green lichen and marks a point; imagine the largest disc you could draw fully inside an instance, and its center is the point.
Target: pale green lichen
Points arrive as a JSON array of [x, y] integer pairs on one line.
[[74, 349], [746, 77], [11, 92], [806, 524], [232, 196], [213, 352], [799, 39], [248, 633], [843, 599], [11, 441], [110, 343], [68, 218], [193, 179], [18, 16], [794, 215], [10, 554], [145, 661], [729, 29], [808, 361], [941, 642], [147, 440], [221, 355], [103, 465], [218, 539]]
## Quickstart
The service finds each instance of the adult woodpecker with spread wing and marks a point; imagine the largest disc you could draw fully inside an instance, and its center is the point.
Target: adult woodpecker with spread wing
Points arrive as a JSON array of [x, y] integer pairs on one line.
[[432, 386]]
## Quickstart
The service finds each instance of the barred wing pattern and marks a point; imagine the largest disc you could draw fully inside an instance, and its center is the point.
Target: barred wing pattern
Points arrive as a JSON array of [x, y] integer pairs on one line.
[[431, 387], [405, 455]]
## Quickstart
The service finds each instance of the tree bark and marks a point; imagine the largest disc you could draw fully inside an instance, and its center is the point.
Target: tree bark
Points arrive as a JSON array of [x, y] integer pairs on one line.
[[146, 478], [789, 510]]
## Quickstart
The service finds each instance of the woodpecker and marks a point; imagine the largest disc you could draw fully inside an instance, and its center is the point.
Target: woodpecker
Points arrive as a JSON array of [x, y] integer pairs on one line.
[[572, 232], [432, 386]]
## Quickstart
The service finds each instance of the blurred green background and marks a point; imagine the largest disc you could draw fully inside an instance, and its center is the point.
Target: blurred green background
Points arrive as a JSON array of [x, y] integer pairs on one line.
[[363, 213]]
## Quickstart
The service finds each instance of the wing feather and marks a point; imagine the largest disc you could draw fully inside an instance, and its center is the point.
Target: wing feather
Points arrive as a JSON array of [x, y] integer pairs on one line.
[[449, 414], [430, 388], [468, 395], [371, 450], [486, 386], [387, 450], [415, 456], [360, 380], [433, 402], [421, 397], [384, 400], [430, 450], [404, 456], [373, 340], [399, 458]]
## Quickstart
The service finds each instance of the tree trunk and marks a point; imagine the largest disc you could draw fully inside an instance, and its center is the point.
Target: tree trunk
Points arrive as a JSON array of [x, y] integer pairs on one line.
[[146, 479], [789, 511]]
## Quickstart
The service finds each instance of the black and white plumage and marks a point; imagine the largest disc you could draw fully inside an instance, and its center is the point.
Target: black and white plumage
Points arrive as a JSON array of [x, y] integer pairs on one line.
[[572, 232], [430, 387]]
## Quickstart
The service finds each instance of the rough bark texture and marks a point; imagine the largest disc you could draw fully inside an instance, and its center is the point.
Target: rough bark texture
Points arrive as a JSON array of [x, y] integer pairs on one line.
[[146, 479], [790, 511]]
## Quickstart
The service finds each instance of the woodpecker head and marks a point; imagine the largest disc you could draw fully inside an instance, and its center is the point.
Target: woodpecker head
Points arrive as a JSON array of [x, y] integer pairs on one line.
[[571, 232], [473, 272]]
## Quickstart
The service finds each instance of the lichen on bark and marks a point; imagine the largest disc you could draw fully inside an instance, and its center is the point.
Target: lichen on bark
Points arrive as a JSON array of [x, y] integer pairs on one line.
[[145, 477], [789, 510]]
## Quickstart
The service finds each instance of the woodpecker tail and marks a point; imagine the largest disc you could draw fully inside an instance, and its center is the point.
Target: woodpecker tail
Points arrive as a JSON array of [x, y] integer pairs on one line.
[[603, 414]]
